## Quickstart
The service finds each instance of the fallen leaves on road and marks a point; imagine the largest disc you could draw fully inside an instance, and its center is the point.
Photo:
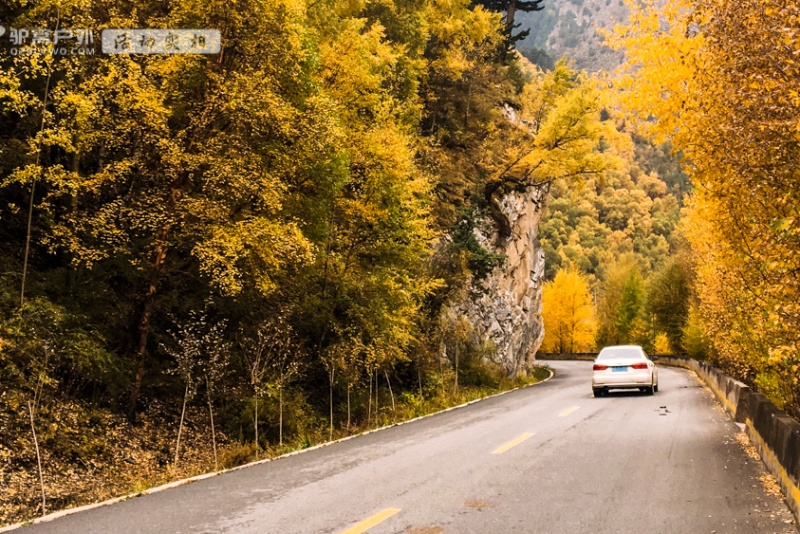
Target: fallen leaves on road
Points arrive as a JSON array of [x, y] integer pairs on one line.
[[748, 447], [770, 485], [479, 504]]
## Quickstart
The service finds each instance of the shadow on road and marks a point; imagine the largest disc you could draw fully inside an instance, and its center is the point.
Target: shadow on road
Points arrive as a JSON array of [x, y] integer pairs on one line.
[[625, 393]]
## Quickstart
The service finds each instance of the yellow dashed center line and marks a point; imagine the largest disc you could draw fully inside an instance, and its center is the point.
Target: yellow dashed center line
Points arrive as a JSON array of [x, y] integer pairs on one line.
[[569, 411], [513, 443], [371, 521]]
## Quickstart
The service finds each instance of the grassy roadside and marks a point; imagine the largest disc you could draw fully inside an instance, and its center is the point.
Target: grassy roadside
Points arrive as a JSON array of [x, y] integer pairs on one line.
[[91, 455]]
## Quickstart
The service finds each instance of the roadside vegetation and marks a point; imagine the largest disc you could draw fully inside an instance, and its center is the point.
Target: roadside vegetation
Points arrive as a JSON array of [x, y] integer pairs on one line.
[[208, 259], [91, 454]]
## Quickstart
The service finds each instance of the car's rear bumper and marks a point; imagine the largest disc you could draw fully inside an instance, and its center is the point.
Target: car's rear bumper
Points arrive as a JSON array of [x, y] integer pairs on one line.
[[622, 380], [630, 385]]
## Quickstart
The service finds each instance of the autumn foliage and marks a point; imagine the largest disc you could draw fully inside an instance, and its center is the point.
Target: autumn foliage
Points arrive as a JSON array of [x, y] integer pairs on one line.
[[721, 80], [258, 244], [569, 316]]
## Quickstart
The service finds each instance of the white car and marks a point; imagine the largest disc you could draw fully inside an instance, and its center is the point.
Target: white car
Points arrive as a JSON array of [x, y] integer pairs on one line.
[[624, 367]]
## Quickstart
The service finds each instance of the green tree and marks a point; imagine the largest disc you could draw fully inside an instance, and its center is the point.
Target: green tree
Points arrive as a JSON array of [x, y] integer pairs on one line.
[[668, 295], [610, 298], [695, 342], [509, 8], [630, 307]]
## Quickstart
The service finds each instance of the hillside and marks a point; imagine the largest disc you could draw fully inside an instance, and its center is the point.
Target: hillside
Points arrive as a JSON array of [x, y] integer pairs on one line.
[[570, 29], [632, 212]]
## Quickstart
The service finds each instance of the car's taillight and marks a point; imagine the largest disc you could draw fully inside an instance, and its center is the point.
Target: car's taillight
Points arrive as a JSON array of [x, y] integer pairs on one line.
[[639, 365], [599, 367]]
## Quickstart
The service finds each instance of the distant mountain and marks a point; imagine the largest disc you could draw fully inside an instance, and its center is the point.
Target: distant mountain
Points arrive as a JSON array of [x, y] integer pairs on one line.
[[569, 28]]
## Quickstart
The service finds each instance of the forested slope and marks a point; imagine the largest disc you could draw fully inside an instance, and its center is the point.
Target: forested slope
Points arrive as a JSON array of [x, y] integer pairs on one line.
[[616, 246], [570, 29], [718, 84], [252, 250]]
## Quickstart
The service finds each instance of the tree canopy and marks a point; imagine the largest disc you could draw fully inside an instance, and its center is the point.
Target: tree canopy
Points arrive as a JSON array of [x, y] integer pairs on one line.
[[721, 82]]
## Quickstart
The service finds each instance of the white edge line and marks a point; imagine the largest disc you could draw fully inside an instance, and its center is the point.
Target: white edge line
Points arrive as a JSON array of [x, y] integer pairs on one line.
[[156, 489]]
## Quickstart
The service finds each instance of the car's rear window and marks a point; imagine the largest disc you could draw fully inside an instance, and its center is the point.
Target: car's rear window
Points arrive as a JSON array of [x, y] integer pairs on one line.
[[628, 353]]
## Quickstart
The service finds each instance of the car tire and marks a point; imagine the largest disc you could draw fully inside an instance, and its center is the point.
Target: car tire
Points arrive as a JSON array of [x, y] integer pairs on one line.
[[598, 392], [655, 388], [652, 390]]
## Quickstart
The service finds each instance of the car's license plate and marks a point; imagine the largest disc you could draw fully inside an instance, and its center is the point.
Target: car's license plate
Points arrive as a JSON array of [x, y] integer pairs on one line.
[[619, 369]]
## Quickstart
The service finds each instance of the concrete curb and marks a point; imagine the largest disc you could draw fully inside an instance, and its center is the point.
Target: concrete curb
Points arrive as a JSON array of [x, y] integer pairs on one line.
[[775, 435], [175, 484]]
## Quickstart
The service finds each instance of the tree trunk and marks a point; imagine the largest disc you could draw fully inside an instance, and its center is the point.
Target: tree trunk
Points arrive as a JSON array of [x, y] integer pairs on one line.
[[180, 426], [213, 432], [255, 422], [280, 414], [419, 379], [511, 11], [32, 197], [455, 381], [377, 400], [442, 356], [348, 407], [369, 402], [73, 207], [38, 460], [466, 110], [330, 404], [391, 394], [144, 322]]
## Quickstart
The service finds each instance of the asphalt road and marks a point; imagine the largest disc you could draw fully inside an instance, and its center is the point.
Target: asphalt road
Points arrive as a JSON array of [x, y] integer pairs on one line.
[[549, 458]]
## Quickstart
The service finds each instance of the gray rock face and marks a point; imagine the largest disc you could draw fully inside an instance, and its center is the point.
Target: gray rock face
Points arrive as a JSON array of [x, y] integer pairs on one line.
[[506, 307]]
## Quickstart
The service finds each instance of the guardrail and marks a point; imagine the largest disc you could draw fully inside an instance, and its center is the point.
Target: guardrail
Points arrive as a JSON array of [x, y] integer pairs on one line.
[[775, 435], [583, 356]]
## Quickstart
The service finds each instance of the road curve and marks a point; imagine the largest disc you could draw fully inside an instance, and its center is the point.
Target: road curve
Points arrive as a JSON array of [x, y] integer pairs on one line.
[[546, 459]]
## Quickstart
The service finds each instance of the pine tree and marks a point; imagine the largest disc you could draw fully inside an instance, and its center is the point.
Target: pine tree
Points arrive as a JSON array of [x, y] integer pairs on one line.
[[509, 8]]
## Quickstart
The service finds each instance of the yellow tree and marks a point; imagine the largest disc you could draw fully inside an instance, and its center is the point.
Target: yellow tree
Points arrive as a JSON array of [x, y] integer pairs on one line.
[[569, 315], [721, 81]]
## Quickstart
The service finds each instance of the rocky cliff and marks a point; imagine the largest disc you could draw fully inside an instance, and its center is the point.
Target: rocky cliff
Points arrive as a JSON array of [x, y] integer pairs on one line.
[[506, 307]]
